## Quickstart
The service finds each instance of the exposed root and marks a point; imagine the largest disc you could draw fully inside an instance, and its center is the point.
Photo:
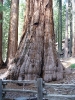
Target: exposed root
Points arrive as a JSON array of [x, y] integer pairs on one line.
[[5, 75], [11, 69]]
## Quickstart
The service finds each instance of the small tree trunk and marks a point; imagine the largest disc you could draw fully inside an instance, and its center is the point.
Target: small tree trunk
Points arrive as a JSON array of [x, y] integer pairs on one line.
[[73, 25], [1, 14], [60, 28], [70, 18], [66, 33], [13, 30]]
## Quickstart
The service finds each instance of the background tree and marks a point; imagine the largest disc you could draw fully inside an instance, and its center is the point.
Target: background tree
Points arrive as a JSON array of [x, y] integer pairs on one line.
[[59, 25], [73, 26], [6, 18], [66, 32], [13, 30], [22, 9], [70, 26], [1, 17], [60, 28]]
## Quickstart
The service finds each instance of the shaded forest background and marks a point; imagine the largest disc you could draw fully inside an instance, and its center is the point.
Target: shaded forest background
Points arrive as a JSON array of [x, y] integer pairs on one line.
[[6, 18]]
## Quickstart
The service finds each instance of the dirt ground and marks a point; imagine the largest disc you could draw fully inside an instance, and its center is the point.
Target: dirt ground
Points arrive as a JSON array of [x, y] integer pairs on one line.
[[69, 79], [67, 62]]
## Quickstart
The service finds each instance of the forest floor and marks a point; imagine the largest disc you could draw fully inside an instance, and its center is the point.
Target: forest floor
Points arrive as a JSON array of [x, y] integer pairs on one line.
[[69, 79]]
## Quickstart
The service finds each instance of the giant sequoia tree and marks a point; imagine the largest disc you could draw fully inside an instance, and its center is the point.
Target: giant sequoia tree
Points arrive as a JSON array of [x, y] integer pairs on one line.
[[36, 55]]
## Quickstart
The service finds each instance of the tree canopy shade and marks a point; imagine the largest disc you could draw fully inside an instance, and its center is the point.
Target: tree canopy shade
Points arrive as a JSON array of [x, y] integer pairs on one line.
[[36, 55]]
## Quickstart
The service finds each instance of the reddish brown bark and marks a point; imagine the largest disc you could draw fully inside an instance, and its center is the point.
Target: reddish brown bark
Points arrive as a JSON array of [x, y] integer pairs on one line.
[[36, 56], [13, 30]]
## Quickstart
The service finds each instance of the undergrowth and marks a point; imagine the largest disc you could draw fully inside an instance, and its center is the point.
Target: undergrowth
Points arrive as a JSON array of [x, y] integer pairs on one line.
[[72, 66]]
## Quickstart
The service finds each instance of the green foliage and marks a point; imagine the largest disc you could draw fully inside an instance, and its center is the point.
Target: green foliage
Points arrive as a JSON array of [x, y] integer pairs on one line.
[[72, 66], [1, 21], [63, 20], [22, 9], [56, 18], [5, 9], [2, 8], [6, 18]]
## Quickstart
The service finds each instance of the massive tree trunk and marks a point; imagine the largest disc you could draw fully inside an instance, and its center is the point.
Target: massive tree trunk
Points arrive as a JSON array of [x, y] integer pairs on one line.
[[36, 55], [1, 1], [13, 30]]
